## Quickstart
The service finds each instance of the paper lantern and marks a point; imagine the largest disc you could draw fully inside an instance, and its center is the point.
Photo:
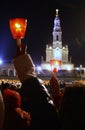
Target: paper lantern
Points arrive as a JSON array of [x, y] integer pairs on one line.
[[18, 27]]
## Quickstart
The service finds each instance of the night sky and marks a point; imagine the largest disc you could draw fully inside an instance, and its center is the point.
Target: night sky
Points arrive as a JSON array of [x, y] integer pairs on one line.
[[40, 16]]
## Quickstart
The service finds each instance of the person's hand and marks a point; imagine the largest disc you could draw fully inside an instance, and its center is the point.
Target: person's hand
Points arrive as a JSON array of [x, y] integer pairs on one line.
[[23, 63], [24, 115], [54, 85], [56, 93], [21, 50]]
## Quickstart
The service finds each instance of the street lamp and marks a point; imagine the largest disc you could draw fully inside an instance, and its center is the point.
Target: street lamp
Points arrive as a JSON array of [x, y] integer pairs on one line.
[[18, 28]]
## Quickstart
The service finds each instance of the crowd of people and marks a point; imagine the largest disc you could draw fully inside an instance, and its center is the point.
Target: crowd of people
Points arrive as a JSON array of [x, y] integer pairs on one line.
[[33, 105]]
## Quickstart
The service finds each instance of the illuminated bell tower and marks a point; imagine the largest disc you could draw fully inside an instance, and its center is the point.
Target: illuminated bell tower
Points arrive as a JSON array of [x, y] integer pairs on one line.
[[57, 33], [57, 38], [56, 51]]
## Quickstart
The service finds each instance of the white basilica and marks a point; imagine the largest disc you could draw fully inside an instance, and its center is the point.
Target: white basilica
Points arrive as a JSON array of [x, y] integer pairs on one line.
[[57, 51]]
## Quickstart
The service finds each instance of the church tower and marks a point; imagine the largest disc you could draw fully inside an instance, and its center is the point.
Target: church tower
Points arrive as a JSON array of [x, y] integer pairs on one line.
[[57, 38], [57, 33], [57, 51]]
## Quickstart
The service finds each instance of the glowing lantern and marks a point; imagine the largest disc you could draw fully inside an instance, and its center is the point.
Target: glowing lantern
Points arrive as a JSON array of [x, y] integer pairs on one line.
[[55, 70], [55, 65], [18, 28]]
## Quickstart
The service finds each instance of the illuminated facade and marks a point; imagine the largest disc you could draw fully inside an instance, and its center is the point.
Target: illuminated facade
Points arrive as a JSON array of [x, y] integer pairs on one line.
[[8, 70], [56, 51]]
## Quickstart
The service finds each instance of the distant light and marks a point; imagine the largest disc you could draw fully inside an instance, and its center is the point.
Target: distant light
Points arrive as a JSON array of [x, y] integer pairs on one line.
[[1, 62], [50, 47], [69, 69], [77, 68], [39, 68]]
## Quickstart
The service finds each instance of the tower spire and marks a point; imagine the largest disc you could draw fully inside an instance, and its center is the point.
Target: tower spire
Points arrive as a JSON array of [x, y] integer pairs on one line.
[[57, 12]]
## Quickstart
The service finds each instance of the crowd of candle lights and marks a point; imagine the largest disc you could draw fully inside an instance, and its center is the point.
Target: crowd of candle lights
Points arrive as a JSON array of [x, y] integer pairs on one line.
[[17, 84]]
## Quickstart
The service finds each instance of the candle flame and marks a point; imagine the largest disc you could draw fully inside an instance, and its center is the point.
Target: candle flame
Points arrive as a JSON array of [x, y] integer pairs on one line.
[[17, 25]]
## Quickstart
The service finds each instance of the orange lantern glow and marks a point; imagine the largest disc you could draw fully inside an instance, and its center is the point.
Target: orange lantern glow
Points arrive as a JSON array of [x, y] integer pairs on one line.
[[55, 70], [18, 27], [55, 65]]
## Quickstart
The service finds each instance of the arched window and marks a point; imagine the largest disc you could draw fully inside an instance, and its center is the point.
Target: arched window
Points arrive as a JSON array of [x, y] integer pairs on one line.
[[11, 73], [57, 38]]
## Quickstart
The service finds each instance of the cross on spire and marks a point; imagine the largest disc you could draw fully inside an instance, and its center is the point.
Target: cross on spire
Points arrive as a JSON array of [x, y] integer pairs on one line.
[[57, 12]]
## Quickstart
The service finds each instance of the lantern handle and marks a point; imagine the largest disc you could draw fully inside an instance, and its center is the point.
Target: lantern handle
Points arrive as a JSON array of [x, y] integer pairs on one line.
[[19, 42]]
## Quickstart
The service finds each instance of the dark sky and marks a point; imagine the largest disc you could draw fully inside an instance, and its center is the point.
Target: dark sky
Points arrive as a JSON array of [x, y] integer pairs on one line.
[[40, 16]]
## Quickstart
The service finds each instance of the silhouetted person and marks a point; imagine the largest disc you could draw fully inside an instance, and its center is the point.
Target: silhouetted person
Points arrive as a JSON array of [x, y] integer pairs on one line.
[[15, 117], [73, 108], [35, 96]]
